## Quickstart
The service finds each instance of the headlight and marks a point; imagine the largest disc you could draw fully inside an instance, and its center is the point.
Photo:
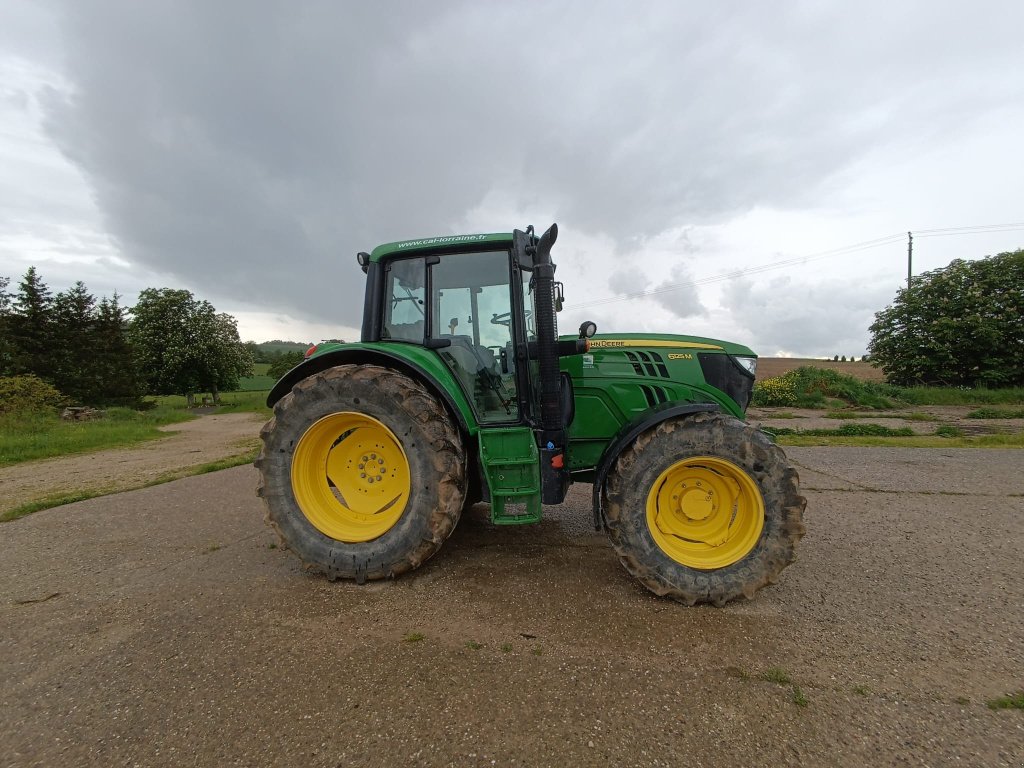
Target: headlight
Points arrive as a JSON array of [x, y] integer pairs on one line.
[[749, 364]]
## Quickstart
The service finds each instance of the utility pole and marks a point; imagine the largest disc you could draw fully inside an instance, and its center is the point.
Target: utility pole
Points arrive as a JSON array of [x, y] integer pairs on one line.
[[910, 256]]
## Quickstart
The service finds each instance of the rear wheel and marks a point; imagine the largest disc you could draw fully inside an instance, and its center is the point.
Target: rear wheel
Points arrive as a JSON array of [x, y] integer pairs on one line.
[[704, 509], [362, 472]]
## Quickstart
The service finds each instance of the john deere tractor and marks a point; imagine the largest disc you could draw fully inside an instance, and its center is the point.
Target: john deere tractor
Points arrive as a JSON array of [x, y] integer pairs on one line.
[[461, 391]]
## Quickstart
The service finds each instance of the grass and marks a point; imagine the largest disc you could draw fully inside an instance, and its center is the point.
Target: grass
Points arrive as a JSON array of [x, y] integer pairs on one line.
[[70, 497], [776, 675], [53, 500], [846, 415], [230, 402], [960, 396], [1012, 701], [811, 387], [413, 637], [917, 441], [817, 387], [861, 690], [27, 437], [256, 383], [252, 448], [997, 413], [473, 645], [847, 430], [798, 697]]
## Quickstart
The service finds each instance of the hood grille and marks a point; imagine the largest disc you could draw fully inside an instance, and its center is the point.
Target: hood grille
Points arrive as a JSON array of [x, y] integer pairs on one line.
[[649, 363]]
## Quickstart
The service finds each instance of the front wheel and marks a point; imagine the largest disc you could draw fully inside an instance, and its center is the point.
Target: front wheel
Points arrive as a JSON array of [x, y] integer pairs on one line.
[[704, 509], [362, 472]]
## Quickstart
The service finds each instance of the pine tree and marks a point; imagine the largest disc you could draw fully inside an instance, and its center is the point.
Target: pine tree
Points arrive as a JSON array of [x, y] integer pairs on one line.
[[115, 364], [73, 352], [32, 328], [6, 348]]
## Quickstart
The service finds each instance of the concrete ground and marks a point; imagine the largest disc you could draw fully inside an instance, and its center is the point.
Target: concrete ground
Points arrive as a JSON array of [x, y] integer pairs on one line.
[[164, 627]]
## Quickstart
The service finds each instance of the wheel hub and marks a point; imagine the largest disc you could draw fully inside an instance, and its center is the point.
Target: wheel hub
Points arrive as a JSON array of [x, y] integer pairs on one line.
[[695, 503], [350, 477], [705, 512]]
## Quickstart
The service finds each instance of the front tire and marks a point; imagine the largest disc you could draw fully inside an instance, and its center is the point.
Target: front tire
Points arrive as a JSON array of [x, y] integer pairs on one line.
[[362, 472], [704, 509]]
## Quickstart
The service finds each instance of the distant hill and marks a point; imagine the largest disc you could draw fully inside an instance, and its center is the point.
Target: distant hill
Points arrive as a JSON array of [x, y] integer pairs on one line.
[[768, 367]]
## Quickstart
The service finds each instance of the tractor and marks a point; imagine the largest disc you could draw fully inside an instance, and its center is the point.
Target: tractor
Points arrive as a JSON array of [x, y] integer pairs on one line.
[[461, 391]]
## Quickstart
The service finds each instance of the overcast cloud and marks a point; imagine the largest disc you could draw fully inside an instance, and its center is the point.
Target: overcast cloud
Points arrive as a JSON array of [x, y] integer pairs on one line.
[[246, 151]]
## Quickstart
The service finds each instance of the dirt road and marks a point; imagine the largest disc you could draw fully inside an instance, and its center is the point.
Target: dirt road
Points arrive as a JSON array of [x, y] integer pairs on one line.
[[188, 444], [163, 627]]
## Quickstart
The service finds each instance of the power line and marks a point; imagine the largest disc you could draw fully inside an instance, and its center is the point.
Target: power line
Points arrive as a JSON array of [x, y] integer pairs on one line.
[[845, 250], [866, 245], [973, 228], [971, 232]]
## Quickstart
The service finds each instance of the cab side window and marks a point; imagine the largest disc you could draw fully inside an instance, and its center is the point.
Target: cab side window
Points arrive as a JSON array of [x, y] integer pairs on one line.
[[405, 314], [471, 307]]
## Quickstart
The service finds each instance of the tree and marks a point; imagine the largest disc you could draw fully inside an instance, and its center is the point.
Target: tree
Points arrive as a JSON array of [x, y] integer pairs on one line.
[[284, 363], [114, 358], [73, 354], [226, 359], [31, 328], [6, 347], [957, 326], [183, 346]]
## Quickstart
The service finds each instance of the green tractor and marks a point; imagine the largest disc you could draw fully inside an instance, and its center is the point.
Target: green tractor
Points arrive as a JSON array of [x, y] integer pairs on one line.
[[461, 391]]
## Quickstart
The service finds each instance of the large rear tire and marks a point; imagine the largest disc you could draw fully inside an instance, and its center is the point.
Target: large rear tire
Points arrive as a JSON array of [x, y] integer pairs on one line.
[[704, 509], [362, 471]]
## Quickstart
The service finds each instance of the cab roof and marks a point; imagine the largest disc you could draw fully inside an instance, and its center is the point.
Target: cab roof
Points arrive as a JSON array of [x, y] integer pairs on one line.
[[442, 243]]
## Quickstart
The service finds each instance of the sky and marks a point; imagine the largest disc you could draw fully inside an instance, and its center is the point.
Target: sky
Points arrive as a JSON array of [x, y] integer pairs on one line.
[[745, 171]]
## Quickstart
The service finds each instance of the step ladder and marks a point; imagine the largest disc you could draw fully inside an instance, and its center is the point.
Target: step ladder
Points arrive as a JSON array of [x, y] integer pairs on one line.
[[511, 464]]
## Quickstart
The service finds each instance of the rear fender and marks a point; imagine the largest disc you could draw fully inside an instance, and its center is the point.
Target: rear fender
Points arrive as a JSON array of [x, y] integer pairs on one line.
[[435, 378], [628, 433]]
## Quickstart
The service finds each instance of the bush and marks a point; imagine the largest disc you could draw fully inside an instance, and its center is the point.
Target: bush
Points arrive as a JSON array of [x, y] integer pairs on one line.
[[28, 394], [776, 391], [814, 385]]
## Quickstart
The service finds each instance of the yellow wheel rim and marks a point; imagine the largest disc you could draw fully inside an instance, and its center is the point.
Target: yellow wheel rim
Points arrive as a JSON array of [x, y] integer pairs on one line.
[[350, 477], [705, 512]]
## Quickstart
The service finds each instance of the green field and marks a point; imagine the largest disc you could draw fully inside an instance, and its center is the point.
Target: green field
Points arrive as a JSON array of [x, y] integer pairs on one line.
[[242, 401], [26, 437], [277, 347]]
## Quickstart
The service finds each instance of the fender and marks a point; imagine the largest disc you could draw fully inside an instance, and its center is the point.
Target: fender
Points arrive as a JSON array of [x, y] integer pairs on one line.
[[628, 433], [362, 354]]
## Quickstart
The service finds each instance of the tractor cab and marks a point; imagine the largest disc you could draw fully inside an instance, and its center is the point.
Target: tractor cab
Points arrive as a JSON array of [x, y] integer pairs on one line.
[[486, 305], [467, 315]]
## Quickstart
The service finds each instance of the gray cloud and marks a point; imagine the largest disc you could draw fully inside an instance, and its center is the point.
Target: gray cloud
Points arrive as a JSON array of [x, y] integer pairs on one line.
[[820, 319], [682, 301], [252, 149]]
